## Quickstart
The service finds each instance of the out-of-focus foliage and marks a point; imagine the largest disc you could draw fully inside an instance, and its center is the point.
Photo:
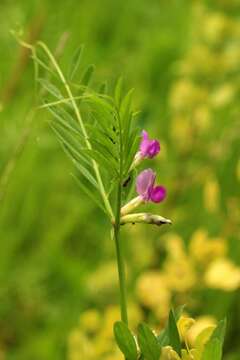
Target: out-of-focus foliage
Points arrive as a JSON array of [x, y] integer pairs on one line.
[[56, 258]]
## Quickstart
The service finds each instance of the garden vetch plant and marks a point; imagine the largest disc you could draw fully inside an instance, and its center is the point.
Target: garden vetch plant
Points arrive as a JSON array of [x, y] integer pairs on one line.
[[98, 133]]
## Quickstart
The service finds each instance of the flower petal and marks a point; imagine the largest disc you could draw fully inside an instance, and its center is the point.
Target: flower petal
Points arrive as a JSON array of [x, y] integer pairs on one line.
[[144, 143], [145, 182], [158, 194], [153, 148], [148, 148], [145, 135]]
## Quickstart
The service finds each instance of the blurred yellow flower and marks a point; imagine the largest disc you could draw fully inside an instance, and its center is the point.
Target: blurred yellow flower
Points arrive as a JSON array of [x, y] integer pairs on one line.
[[202, 61], [211, 194], [169, 354], [223, 274], [180, 274], [95, 333], [90, 321], [223, 96], [178, 267], [104, 278], [111, 315], [200, 324], [216, 27], [174, 246], [203, 249], [189, 355], [203, 337], [153, 293], [184, 324], [114, 356], [80, 347], [231, 56], [186, 95], [141, 253], [202, 118], [181, 131]]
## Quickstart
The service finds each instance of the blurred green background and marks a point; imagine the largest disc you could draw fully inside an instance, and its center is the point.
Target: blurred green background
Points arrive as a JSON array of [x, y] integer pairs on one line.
[[182, 58]]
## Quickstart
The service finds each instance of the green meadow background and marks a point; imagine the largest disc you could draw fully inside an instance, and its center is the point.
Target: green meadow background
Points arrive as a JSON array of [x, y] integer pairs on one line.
[[183, 60]]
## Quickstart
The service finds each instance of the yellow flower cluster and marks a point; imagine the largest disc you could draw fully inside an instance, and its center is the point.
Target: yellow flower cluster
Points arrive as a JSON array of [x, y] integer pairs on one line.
[[205, 264], [194, 334], [93, 338], [207, 84]]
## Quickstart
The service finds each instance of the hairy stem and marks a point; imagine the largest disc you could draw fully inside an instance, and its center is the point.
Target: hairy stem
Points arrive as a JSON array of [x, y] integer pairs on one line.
[[120, 261], [119, 252], [79, 118]]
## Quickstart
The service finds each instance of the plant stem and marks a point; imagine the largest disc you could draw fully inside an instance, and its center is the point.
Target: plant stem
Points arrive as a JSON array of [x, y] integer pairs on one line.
[[120, 261], [119, 252]]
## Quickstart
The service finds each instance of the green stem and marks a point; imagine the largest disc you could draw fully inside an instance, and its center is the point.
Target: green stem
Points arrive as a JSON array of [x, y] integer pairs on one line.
[[119, 252], [120, 261]]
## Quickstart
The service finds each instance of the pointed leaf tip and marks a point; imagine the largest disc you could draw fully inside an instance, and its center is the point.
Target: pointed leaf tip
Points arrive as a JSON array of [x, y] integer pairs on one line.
[[75, 62], [148, 343]]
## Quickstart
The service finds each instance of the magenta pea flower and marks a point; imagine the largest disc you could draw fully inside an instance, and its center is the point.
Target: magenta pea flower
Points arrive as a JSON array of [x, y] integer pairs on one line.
[[146, 189], [148, 148]]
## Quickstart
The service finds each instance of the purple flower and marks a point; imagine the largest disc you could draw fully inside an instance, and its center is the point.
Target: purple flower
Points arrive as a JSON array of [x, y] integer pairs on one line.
[[146, 189], [148, 148]]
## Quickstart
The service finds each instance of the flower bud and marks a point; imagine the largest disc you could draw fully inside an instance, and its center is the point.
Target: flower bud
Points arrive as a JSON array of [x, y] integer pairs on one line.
[[131, 205], [144, 218], [169, 354]]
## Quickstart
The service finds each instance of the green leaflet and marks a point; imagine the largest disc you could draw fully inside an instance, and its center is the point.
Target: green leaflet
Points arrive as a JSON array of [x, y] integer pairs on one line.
[[178, 311], [49, 87], [103, 88], [43, 65], [213, 348], [131, 150], [87, 75], [129, 185], [106, 152], [74, 142], [100, 136], [126, 114], [73, 154], [124, 106], [104, 115], [148, 343], [105, 163], [174, 338], [170, 336], [94, 196], [85, 80], [103, 104], [110, 129], [118, 91], [125, 340], [76, 60], [86, 173], [65, 119], [219, 332]]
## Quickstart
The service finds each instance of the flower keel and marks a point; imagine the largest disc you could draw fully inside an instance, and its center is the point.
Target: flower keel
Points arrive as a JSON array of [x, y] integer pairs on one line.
[[146, 189]]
